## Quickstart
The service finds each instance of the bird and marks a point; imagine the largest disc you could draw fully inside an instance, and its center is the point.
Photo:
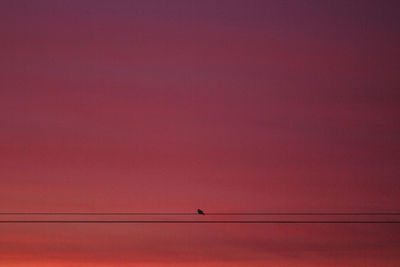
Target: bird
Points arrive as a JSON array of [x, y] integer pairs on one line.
[[200, 212]]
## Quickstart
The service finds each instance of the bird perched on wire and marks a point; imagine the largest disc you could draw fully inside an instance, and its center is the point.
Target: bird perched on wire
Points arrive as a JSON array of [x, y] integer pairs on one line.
[[200, 212]]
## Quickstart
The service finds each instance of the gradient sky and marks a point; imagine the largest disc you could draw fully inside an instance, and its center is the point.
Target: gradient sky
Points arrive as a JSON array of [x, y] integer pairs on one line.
[[149, 106]]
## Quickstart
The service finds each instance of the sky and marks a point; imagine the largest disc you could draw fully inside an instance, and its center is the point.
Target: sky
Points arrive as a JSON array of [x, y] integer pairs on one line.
[[228, 106]]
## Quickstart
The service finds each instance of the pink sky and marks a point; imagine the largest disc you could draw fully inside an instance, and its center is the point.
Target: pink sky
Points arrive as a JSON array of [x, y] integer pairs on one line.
[[149, 106]]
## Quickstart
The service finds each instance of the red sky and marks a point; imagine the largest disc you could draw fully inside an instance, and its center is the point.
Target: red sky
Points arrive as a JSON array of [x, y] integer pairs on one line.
[[167, 106]]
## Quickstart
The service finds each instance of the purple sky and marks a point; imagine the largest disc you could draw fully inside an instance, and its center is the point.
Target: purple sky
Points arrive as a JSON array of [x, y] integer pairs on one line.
[[277, 106]]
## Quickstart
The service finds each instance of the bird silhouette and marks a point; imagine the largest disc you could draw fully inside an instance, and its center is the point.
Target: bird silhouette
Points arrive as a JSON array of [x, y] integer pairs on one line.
[[200, 212]]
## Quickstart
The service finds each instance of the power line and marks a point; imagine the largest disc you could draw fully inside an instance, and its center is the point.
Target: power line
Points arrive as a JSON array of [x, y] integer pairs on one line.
[[189, 222], [100, 213], [210, 213]]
